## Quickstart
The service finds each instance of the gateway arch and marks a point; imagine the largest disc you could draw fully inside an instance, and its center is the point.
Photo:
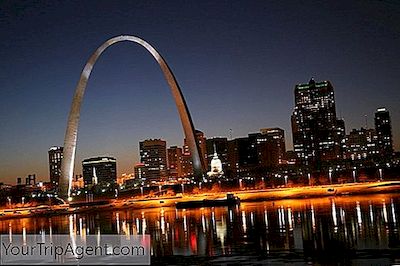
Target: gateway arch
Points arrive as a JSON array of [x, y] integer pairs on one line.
[[71, 134]]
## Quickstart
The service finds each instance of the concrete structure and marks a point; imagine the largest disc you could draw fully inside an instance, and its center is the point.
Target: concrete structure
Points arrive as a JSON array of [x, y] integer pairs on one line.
[[71, 135]]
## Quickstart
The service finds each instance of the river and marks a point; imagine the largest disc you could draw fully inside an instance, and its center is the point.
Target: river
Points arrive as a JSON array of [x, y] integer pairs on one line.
[[351, 229]]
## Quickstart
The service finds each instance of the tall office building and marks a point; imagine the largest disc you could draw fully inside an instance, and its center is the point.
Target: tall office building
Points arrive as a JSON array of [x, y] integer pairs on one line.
[[314, 124], [153, 154], [341, 136], [383, 129], [187, 165], [242, 156], [99, 171], [202, 145], [271, 147], [175, 161], [55, 159], [255, 154]]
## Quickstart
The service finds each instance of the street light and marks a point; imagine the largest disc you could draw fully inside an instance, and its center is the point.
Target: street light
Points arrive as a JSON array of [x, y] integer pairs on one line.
[[183, 188], [23, 200], [330, 175], [380, 173], [354, 174]]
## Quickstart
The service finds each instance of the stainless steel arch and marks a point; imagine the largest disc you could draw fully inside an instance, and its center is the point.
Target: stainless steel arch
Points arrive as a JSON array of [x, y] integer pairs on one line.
[[71, 134]]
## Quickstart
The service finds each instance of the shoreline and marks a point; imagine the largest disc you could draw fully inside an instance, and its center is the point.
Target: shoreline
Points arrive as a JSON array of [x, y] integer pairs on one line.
[[275, 194]]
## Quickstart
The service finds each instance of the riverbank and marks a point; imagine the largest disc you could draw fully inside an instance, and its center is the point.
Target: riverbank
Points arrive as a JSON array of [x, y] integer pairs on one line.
[[337, 190]]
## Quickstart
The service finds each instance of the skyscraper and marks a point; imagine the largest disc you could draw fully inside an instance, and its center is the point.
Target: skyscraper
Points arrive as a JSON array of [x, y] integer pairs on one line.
[[271, 147], [201, 143], [383, 129], [55, 158], [99, 171], [242, 156], [341, 136], [314, 124], [153, 153], [187, 165], [175, 161]]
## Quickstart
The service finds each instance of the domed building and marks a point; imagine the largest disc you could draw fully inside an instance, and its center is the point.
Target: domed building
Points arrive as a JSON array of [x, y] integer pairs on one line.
[[216, 166]]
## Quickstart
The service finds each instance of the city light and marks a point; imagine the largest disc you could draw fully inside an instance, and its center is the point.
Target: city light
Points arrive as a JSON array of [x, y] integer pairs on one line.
[[257, 163]]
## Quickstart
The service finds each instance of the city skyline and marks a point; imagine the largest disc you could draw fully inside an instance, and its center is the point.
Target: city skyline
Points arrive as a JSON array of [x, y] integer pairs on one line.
[[268, 156], [35, 106]]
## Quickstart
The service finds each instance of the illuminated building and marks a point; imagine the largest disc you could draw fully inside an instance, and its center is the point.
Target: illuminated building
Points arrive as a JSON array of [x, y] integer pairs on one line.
[[175, 161], [78, 182], [187, 167], [140, 171], [202, 144], [187, 164], [256, 154], [341, 136], [314, 124], [242, 156], [124, 177], [30, 180], [383, 129], [221, 147], [55, 158], [99, 171], [271, 147], [216, 165], [361, 144], [153, 156]]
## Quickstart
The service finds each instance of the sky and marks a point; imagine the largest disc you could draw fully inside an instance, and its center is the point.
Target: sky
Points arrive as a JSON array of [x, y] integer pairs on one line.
[[237, 63]]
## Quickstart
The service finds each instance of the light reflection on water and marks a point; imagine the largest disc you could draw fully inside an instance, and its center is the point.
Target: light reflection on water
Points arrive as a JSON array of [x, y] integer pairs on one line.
[[309, 226]]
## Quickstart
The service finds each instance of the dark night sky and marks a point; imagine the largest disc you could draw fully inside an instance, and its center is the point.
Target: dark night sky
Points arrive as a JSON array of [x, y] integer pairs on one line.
[[237, 63]]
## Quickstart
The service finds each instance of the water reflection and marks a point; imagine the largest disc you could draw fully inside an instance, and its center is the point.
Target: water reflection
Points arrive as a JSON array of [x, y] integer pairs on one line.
[[307, 226]]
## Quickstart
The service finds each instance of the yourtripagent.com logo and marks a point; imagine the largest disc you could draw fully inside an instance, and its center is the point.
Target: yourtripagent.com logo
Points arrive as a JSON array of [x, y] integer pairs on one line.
[[75, 249]]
